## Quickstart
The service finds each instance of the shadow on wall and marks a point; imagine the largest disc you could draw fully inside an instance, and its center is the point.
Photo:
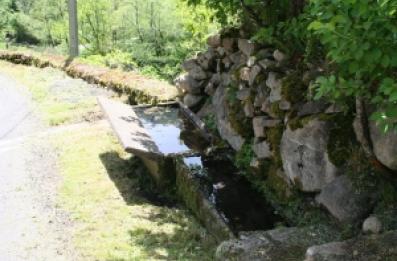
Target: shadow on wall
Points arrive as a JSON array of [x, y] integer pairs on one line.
[[133, 181]]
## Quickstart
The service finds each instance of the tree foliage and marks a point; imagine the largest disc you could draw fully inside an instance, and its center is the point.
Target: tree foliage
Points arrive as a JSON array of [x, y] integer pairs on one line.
[[354, 39], [360, 37], [155, 35]]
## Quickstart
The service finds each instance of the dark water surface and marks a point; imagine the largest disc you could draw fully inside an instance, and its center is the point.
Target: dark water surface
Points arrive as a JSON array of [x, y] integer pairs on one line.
[[241, 207]]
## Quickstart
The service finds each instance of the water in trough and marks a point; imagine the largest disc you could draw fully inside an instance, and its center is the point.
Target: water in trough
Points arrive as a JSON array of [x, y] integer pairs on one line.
[[240, 206]]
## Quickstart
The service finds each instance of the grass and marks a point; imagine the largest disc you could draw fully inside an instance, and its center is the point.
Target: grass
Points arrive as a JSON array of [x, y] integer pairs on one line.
[[113, 221], [60, 107], [140, 88], [114, 217]]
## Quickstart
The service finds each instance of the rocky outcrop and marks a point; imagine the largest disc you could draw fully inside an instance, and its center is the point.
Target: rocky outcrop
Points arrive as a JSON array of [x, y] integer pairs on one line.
[[224, 126], [375, 247], [278, 244], [305, 157], [345, 204], [385, 146]]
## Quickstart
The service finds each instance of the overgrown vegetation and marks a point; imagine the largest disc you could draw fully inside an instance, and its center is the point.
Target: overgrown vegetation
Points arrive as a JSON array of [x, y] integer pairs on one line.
[[352, 44], [359, 37], [150, 36]]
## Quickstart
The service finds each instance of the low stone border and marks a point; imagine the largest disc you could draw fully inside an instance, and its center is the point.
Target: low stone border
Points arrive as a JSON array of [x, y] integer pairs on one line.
[[140, 89]]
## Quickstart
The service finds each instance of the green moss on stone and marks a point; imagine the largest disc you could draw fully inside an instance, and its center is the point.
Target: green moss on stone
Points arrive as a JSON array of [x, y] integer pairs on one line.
[[299, 122], [210, 122], [240, 123], [293, 89], [277, 186], [275, 109], [274, 136], [341, 138], [244, 157], [260, 78], [295, 123]]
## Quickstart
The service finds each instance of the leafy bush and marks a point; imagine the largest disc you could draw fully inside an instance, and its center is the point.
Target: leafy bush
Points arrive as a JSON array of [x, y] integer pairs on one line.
[[360, 37]]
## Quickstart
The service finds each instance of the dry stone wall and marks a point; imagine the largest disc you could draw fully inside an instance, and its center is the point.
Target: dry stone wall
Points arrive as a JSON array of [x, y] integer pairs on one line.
[[260, 98]]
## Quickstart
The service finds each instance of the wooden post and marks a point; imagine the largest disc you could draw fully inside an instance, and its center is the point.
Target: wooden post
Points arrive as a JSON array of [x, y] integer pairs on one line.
[[73, 29]]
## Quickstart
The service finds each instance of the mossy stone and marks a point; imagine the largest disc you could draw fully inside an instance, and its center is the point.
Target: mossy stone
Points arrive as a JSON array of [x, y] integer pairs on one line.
[[240, 123], [293, 88], [278, 186], [276, 111], [274, 136], [341, 138]]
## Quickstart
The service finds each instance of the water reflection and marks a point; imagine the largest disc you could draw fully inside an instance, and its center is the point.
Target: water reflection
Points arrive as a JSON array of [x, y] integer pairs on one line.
[[164, 125]]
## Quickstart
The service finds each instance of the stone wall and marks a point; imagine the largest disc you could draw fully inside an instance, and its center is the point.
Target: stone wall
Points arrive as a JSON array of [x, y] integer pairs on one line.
[[262, 102]]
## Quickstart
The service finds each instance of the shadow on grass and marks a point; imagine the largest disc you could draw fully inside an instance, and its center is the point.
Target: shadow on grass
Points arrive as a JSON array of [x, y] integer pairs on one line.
[[133, 181], [185, 241]]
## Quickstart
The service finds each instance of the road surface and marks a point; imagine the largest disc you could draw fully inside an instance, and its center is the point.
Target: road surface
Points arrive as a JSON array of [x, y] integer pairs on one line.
[[32, 227]]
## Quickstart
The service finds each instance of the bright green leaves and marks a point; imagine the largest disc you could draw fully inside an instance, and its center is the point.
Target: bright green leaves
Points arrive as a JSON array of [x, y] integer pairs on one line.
[[316, 25], [386, 99], [360, 38], [388, 88]]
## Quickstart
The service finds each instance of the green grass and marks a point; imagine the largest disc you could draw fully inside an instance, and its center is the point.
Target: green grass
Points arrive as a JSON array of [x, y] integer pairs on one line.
[[101, 186], [112, 221], [54, 107]]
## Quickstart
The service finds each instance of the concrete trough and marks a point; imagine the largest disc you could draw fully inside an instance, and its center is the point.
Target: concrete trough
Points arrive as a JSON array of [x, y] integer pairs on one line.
[[152, 133], [173, 144]]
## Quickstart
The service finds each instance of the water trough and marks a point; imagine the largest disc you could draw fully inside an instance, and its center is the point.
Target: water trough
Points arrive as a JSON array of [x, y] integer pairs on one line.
[[173, 144]]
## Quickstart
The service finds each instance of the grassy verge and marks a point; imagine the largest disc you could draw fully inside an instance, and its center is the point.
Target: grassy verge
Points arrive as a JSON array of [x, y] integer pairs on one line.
[[101, 188], [112, 219], [139, 88], [58, 105]]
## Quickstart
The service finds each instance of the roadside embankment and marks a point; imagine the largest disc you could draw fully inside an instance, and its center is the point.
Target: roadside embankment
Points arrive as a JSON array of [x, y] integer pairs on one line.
[[138, 88]]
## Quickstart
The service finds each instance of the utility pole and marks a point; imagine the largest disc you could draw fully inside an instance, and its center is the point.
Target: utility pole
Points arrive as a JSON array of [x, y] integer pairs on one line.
[[73, 29]]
